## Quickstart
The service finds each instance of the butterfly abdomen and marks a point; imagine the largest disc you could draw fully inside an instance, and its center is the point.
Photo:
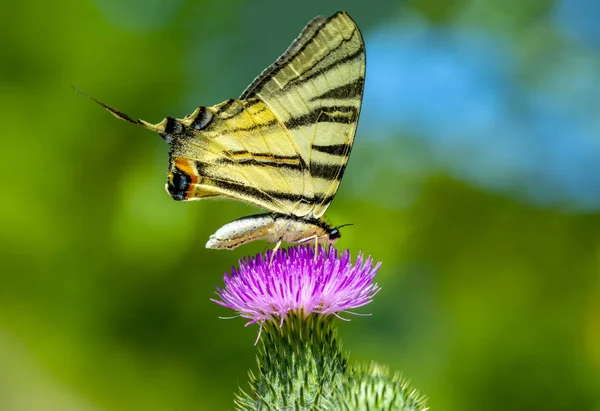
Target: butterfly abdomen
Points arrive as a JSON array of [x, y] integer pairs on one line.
[[274, 228]]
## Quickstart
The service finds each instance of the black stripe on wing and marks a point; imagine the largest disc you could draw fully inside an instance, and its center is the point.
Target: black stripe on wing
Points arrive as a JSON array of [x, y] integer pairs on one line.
[[333, 149], [310, 31], [325, 114], [267, 196], [317, 169], [246, 129], [352, 90], [262, 163], [325, 171], [304, 78], [242, 153]]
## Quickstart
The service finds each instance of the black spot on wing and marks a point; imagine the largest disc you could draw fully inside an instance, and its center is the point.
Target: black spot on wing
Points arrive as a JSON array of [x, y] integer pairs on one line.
[[173, 127], [203, 119], [178, 185]]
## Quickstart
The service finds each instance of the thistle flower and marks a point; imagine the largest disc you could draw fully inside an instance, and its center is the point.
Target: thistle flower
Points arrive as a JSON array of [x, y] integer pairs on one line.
[[295, 297], [295, 281]]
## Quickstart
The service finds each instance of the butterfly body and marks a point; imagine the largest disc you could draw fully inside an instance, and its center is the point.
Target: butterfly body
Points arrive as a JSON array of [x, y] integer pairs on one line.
[[274, 228], [282, 146]]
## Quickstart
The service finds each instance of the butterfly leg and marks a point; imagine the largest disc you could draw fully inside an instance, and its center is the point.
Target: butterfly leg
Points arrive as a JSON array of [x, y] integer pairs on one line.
[[274, 251], [308, 240]]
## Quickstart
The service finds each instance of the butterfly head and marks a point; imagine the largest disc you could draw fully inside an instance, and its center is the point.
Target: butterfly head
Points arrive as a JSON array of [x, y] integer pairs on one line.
[[334, 233]]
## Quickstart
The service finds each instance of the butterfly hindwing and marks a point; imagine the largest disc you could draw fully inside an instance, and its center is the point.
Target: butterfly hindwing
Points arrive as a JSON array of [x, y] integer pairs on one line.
[[231, 157]]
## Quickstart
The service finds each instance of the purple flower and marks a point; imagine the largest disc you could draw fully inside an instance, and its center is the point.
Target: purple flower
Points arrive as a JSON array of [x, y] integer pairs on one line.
[[296, 282]]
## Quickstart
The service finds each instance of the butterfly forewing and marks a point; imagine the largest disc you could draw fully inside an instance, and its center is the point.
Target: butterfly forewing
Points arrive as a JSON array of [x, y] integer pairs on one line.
[[315, 89]]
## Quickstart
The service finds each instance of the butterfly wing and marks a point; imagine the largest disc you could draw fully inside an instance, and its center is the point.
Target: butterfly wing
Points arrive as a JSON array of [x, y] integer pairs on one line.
[[242, 152], [284, 145], [315, 90]]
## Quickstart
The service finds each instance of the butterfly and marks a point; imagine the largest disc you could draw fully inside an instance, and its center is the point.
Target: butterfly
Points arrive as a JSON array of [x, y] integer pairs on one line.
[[282, 146]]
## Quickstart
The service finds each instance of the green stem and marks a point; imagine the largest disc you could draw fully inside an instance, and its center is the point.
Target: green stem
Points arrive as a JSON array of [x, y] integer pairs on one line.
[[299, 364], [301, 367]]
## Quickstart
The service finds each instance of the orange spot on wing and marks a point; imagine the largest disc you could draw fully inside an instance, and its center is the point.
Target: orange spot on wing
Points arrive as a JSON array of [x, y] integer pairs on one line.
[[186, 166]]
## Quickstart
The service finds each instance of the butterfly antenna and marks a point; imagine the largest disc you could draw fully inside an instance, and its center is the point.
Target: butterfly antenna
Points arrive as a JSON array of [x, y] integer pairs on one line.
[[344, 225]]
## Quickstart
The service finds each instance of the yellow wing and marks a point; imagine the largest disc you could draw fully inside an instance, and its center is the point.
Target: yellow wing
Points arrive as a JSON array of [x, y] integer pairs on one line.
[[315, 89], [285, 144], [236, 149]]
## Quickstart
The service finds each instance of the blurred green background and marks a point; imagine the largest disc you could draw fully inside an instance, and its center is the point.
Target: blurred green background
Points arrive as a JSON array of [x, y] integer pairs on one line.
[[475, 178]]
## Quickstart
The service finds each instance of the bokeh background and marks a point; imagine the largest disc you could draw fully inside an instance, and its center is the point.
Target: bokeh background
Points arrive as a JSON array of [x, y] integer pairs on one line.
[[475, 178]]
